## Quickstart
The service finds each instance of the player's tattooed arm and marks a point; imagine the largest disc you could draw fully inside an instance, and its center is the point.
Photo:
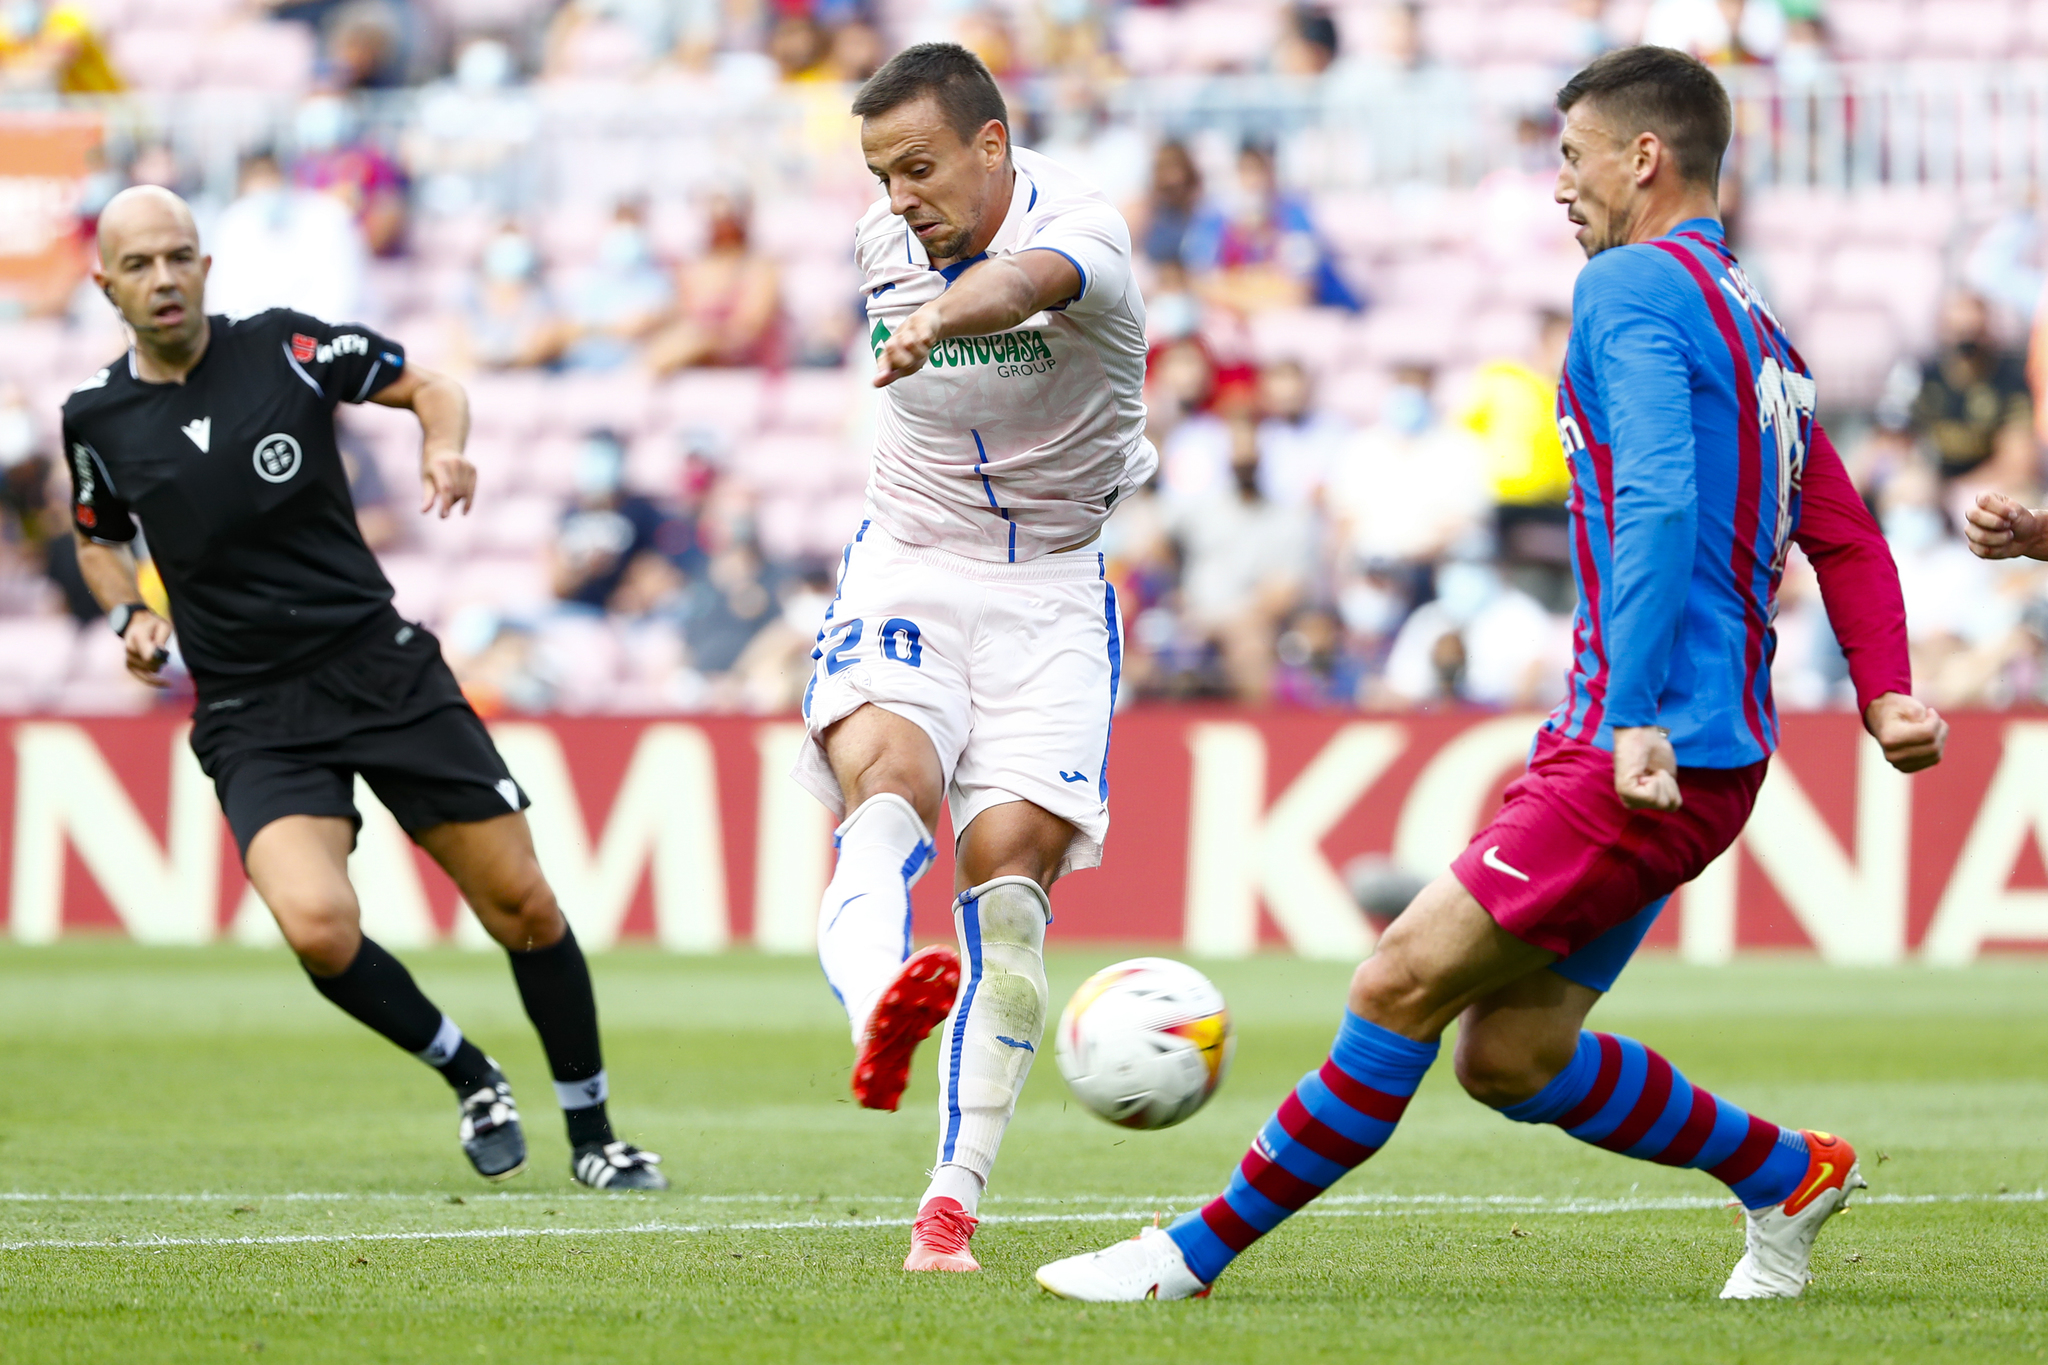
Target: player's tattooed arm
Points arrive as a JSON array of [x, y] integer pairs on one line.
[[991, 296], [109, 571], [447, 478], [2000, 528]]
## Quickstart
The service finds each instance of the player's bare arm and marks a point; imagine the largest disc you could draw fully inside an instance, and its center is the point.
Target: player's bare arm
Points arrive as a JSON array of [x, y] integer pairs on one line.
[[2000, 528], [447, 478], [109, 571], [990, 297]]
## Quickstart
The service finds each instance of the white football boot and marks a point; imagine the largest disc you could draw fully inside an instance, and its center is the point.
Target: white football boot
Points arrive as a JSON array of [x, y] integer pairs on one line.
[[1148, 1266], [1780, 1238]]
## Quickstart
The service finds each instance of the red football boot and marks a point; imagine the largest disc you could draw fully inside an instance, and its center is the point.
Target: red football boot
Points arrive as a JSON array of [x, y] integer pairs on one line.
[[920, 996], [938, 1240]]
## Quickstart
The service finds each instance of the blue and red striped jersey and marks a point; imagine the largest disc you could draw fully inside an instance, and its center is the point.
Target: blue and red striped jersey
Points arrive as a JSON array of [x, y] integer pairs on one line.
[[1686, 416]]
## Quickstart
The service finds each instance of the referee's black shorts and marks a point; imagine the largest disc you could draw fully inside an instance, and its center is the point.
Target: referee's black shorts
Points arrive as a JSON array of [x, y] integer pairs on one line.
[[387, 707]]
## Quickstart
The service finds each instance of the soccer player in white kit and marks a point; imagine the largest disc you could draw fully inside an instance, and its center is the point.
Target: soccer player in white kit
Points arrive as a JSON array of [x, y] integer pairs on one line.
[[973, 650]]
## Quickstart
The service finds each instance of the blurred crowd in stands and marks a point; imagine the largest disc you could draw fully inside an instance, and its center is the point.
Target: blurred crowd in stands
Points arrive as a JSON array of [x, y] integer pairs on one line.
[[1362, 495]]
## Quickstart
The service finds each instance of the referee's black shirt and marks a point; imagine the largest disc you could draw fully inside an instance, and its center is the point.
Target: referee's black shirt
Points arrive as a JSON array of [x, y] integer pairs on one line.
[[235, 477]]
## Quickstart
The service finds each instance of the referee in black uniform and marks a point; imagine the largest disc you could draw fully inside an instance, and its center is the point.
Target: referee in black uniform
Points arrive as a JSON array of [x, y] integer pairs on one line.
[[218, 436]]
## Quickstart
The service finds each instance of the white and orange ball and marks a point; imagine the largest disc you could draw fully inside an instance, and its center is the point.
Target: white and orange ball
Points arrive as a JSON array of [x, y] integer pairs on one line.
[[1145, 1043]]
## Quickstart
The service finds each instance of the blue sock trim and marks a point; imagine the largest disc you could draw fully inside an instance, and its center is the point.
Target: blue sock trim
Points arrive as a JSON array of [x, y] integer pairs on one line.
[[1204, 1252], [970, 939], [1774, 1181], [1380, 1057], [1566, 1088]]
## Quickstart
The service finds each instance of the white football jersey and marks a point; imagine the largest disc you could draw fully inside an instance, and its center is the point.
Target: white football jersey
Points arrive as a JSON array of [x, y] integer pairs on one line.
[[1007, 447]]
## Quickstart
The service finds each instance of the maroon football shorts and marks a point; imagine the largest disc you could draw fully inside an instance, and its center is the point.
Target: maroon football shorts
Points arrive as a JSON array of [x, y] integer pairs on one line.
[[1564, 860]]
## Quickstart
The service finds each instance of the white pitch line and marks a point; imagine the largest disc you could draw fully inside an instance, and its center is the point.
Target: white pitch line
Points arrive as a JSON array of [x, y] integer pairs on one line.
[[1356, 1206]]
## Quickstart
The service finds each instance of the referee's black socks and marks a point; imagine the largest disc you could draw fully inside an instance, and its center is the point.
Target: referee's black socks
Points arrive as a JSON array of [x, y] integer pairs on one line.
[[554, 984], [377, 990]]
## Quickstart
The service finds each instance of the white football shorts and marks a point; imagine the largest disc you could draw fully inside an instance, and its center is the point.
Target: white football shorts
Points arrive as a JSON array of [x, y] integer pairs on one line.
[[1011, 669]]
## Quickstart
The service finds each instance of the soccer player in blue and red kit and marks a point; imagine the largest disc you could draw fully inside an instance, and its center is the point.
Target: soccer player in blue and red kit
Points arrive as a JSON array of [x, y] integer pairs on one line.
[[1696, 464]]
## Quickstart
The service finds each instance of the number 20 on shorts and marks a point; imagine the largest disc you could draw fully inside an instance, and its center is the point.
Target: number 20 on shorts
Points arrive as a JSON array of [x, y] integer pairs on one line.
[[900, 641]]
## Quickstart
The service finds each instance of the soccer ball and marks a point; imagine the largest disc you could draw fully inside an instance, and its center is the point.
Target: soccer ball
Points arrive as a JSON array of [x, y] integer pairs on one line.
[[1145, 1043]]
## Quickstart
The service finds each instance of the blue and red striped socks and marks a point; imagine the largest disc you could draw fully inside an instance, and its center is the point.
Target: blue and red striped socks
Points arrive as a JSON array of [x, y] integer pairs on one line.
[[1337, 1117], [1616, 1093]]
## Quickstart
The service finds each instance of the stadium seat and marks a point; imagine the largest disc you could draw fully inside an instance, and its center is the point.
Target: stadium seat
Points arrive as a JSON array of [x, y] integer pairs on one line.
[[98, 682], [1981, 29], [568, 233], [1496, 334], [810, 400], [158, 58], [1850, 350], [1790, 278], [419, 582], [1879, 30], [177, 13], [728, 403], [516, 587], [35, 655], [1453, 34], [785, 461], [1226, 35], [580, 655], [507, 404], [1355, 393], [616, 400], [1316, 337], [1525, 33], [1147, 38], [447, 538], [486, 15], [275, 57], [547, 465], [603, 49], [517, 524]]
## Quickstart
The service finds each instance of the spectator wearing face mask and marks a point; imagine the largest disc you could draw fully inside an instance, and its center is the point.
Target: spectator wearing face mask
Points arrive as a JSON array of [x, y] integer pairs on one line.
[[604, 529], [728, 302], [1265, 252], [1480, 640], [1408, 489], [610, 305], [1174, 206], [1970, 409], [1300, 441], [280, 246], [335, 157], [1245, 563], [506, 321]]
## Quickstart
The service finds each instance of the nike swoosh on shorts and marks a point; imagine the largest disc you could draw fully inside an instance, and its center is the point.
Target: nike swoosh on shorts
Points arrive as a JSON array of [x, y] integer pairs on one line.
[[1492, 859]]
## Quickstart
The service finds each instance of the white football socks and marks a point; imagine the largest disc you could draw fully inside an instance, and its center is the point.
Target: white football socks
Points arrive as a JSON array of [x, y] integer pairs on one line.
[[987, 1043], [864, 920]]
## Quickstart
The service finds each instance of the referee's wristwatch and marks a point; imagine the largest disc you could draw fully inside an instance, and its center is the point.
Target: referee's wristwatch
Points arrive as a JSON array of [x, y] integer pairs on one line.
[[121, 617]]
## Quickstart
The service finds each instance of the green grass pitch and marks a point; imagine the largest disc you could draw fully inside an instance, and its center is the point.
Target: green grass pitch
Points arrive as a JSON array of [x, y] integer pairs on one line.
[[200, 1160]]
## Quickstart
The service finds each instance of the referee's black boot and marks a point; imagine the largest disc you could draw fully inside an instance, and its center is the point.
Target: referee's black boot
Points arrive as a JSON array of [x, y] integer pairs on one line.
[[491, 1136], [616, 1166]]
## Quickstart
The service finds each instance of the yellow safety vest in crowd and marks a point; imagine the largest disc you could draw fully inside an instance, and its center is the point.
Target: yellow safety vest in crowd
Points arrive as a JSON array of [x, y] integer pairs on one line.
[[89, 71], [1512, 410]]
